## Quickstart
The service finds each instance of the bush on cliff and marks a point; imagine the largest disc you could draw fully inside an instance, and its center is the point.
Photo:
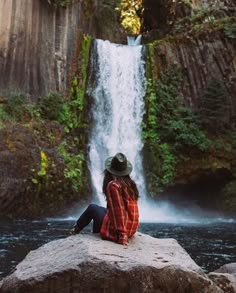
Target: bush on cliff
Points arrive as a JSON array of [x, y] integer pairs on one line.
[[15, 106], [50, 106], [214, 108], [169, 129]]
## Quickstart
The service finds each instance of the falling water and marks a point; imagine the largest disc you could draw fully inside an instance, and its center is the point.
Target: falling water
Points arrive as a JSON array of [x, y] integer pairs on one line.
[[117, 86], [117, 110]]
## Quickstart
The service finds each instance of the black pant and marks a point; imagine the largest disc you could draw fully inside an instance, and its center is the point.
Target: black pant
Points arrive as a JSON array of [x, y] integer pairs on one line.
[[95, 213]]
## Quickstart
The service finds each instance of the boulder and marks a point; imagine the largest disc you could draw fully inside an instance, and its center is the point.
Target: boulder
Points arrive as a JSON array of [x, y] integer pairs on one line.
[[228, 268], [85, 263], [225, 277]]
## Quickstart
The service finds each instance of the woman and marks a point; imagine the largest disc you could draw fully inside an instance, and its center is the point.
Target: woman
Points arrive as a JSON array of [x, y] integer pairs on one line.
[[120, 220]]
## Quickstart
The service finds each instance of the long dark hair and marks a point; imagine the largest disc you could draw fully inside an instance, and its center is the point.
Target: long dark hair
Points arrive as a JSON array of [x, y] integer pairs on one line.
[[125, 181]]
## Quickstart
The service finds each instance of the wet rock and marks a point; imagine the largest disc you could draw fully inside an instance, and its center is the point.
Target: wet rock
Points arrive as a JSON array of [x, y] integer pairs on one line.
[[225, 278], [228, 268], [85, 263], [224, 281]]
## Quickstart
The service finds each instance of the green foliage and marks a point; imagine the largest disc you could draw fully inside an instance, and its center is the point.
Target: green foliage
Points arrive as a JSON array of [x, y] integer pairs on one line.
[[74, 164], [150, 125], [3, 114], [15, 105], [173, 121], [72, 114], [43, 164], [131, 15], [42, 173], [169, 127], [168, 163], [214, 108], [230, 30], [72, 111], [50, 106], [206, 18]]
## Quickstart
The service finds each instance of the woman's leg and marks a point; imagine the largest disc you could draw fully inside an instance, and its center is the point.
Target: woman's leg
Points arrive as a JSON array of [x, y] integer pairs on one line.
[[93, 212]]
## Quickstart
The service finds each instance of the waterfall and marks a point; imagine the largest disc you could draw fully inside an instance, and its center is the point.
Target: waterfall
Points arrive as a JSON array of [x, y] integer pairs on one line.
[[117, 88], [134, 41], [117, 109]]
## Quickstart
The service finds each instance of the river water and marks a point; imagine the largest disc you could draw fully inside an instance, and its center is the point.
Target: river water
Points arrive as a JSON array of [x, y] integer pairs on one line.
[[210, 245]]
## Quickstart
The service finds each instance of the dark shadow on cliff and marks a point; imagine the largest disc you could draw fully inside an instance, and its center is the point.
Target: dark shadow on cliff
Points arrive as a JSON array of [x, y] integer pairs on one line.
[[202, 192]]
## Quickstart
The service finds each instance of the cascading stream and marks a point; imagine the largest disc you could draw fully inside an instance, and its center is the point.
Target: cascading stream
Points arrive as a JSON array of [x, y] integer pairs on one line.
[[117, 86], [117, 110]]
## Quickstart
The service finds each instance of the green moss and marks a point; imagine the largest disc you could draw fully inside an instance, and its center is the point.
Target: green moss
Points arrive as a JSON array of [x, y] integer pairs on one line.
[[205, 19], [74, 164], [43, 164], [74, 117], [73, 114], [169, 127]]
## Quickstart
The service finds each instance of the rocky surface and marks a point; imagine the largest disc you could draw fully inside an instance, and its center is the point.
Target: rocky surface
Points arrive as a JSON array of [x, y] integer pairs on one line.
[[201, 59], [85, 263], [225, 278], [24, 191], [202, 55], [38, 40]]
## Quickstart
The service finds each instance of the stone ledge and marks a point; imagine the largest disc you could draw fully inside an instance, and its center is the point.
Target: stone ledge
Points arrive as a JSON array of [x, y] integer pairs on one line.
[[85, 263]]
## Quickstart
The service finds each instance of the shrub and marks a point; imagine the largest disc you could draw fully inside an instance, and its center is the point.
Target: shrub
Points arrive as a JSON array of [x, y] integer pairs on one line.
[[51, 106], [214, 107], [230, 30], [169, 117], [15, 106]]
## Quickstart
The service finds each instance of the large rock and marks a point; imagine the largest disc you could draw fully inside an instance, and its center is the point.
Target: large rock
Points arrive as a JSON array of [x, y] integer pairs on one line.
[[228, 268], [85, 263], [225, 277]]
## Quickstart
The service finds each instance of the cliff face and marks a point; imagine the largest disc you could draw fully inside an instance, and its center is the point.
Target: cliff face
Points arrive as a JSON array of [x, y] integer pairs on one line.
[[37, 41], [201, 58], [188, 133]]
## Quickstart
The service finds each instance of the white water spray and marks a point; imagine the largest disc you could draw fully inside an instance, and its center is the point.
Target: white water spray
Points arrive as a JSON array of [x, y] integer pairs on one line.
[[118, 109]]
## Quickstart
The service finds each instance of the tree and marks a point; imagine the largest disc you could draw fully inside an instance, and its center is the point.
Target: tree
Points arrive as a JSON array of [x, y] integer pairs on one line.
[[214, 107]]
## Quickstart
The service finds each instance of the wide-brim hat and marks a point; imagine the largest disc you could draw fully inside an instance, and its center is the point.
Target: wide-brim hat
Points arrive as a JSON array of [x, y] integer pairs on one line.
[[118, 165]]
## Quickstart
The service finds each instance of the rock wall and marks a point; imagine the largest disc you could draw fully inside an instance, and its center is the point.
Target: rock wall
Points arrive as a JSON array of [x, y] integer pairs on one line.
[[37, 41], [201, 59], [201, 43]]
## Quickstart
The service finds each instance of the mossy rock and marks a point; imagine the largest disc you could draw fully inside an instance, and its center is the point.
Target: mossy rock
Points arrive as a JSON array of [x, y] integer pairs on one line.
[[32, 177]]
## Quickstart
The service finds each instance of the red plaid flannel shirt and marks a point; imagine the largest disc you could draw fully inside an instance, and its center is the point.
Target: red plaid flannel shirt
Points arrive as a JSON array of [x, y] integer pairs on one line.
[[122, 218]]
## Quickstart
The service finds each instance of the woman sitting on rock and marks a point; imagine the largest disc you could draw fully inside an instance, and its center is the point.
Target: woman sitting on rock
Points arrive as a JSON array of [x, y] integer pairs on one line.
[[120, 220]]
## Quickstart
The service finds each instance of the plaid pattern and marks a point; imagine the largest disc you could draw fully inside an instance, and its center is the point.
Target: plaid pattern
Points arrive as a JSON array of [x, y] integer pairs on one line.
[[122, 218]]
